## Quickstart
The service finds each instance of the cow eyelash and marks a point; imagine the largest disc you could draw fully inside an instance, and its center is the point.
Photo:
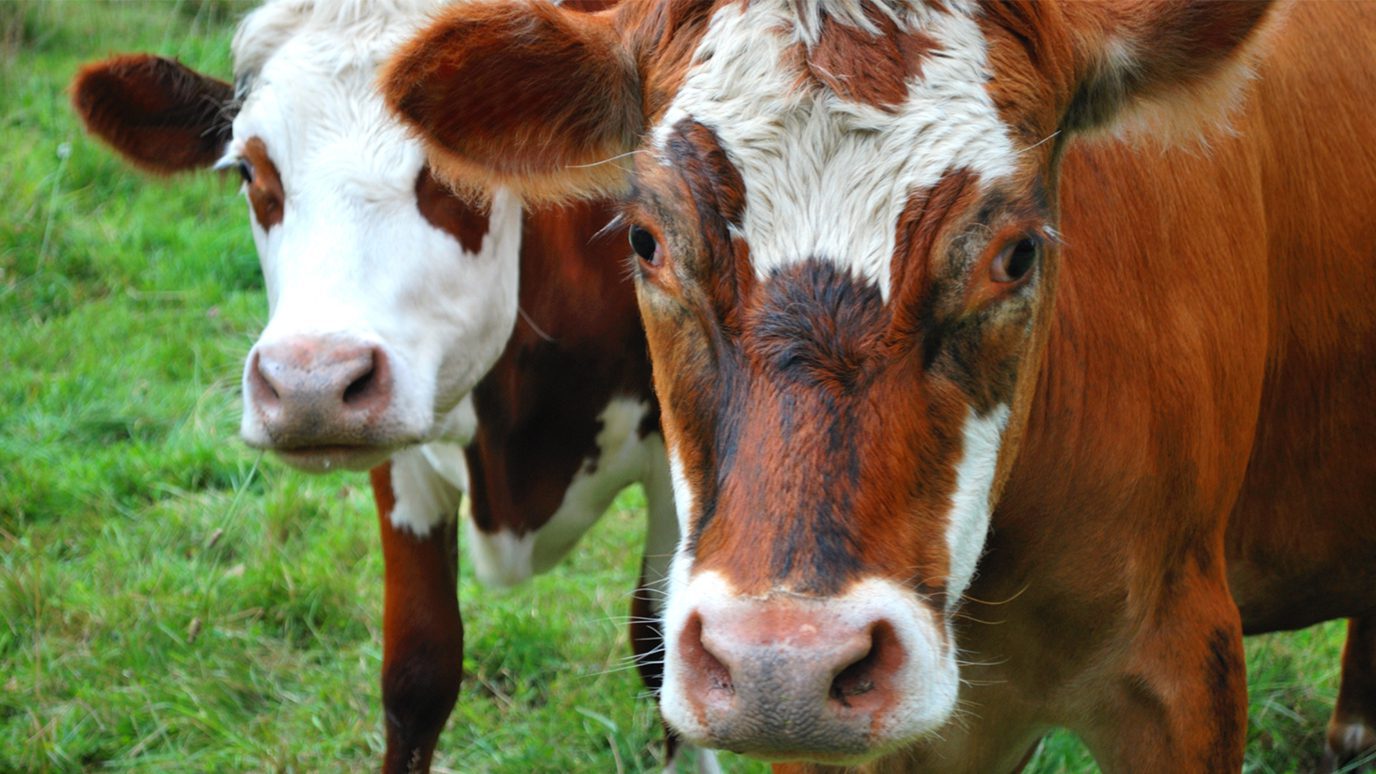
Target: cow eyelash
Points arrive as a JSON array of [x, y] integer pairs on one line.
[[242, 165]]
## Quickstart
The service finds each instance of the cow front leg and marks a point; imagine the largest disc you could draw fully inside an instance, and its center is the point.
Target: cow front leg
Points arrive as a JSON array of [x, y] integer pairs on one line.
[[422, 632], [1352, 729], [1177, 701]]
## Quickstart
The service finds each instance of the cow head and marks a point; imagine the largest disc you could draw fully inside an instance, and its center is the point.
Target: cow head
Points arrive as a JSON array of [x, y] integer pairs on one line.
[[844, 226], [388, 297]]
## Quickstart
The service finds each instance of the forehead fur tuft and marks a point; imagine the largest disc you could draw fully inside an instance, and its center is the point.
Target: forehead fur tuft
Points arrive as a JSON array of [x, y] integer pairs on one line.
[[360, 24], [855, 13]]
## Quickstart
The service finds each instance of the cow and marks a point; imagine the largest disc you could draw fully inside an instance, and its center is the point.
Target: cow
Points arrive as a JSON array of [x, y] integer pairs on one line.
[[1015, 359], [398, 338]]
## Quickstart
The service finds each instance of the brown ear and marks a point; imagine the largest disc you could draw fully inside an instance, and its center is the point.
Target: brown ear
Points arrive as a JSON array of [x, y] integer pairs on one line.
[[539, 99], [1169, 66], [159, 114]]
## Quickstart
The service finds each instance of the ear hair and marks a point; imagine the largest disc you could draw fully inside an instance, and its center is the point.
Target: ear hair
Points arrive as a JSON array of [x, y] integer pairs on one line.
[[539, 99], [1163, 70], [159, 114]]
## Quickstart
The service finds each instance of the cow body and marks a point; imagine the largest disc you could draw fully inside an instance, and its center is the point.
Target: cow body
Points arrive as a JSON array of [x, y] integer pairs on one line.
[[976, 430], [398, 338]]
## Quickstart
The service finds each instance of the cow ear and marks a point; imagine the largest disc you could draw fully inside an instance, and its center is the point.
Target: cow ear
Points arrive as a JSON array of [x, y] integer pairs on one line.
[[159, 114], [1167, 69], [539, 99]]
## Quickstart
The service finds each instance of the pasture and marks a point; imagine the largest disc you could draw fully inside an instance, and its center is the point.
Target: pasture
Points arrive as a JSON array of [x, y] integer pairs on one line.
[[171, 600]]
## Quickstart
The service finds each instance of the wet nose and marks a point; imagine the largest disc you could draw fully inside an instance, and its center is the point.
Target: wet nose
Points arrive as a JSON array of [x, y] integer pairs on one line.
[[312, 391], [789, 678]]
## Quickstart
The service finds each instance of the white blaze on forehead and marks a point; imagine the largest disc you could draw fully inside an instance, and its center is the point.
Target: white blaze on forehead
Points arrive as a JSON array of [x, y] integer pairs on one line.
[[825, 178], [970, 507]]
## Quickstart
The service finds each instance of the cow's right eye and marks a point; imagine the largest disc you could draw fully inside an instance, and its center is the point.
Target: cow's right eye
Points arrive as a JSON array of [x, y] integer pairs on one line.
[[643, 243], [245, 170]]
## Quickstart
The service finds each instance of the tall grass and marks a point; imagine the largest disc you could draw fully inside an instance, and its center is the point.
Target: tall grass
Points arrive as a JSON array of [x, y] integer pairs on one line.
[[171, 601]]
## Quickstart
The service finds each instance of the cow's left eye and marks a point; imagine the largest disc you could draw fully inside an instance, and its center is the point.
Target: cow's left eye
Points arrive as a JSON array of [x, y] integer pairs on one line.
[[644, 245], [1015, 261], [245, 170]]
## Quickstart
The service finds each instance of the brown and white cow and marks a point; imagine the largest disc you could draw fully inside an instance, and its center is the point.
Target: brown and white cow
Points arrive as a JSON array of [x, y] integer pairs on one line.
[[977, 427], [390, 342]]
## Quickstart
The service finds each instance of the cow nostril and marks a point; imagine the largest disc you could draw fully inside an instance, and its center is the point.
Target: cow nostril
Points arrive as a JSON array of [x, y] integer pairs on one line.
[[707, 668], [260, 384], [369, 388], [871, 671], [359, 388]]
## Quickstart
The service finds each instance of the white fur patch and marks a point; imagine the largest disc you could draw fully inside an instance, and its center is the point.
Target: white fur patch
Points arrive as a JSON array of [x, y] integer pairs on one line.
[[424, 497], [683, 493], [968, 524], [500, 559], [825, 178]]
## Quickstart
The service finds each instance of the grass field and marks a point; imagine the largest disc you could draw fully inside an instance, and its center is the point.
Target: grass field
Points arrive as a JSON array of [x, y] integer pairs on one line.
[[170, 600]]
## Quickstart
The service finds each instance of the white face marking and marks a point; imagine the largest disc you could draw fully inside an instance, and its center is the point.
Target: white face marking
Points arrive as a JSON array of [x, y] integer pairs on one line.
[[505, 558], [683, 493], [825, 178], [970, 507], [353, 258]]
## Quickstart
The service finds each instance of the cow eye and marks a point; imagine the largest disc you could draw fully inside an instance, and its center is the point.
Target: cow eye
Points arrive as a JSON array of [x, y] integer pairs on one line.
[[245, 170], [643, 243], [1015, 261]]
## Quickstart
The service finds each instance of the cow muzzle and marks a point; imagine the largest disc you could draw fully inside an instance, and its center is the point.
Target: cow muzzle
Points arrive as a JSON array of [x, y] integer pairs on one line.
[[321, 402], [790, 677]]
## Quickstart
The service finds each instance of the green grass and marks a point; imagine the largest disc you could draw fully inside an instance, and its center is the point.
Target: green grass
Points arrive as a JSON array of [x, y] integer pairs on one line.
[[169, 600]]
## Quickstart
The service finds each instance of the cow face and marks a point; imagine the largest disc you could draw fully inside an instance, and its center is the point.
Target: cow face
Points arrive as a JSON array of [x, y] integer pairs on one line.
[[843, 222], [388, 297]]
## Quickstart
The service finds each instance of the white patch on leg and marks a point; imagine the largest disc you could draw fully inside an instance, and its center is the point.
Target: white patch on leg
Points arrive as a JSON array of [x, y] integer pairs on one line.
[[425, 496], [825, 178], [968, 524], [500, 559]]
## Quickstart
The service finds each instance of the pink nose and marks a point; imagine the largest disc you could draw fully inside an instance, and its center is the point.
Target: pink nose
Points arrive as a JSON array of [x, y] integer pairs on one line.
[[788, 678], [310, 391]]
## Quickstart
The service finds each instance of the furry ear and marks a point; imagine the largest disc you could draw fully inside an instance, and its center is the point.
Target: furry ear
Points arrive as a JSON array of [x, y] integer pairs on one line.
[[159, 114], [1169, 67], [540, 99]]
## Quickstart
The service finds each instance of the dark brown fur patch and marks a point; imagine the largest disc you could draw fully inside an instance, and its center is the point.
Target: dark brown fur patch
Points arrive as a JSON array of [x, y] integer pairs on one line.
[[538, 408], [447, 212], [861, 67], [159, 114], [265, 192]]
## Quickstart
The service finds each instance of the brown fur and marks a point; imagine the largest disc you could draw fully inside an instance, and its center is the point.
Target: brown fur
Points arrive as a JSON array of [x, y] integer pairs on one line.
[[860, 67], [159, 114], [464, 221], [422, 644], [265, 193], [518, 48]]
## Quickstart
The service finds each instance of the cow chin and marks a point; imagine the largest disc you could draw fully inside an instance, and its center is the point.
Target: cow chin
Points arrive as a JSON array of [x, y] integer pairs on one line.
[[326, 459], [319, 445], [784, 676]]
